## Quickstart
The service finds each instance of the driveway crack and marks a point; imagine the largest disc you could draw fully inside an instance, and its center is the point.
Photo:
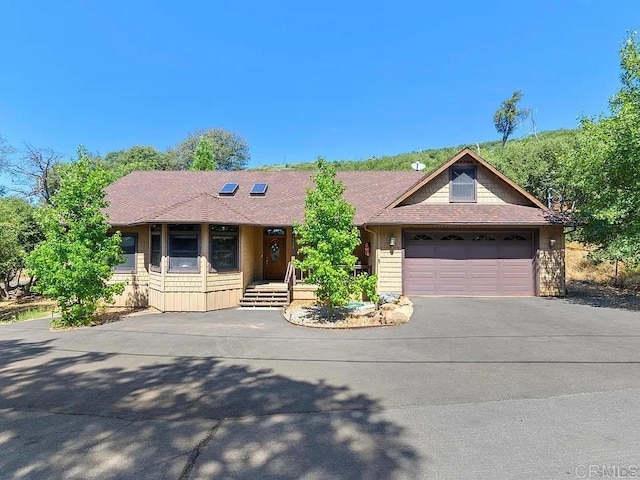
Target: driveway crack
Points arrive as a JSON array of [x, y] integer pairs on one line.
[[195, 453]]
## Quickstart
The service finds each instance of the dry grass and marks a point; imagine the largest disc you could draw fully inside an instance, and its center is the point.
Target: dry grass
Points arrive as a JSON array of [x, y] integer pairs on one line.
[[17, 310], [33, 307], [579, 268]]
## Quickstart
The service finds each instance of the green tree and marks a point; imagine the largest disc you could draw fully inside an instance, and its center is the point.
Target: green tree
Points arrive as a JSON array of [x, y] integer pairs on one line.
[[19, 234], [608, 167], [540, 166], [230, 151], [122, 162], [509, 116], [74, 262], [203, 158], [327, 239]]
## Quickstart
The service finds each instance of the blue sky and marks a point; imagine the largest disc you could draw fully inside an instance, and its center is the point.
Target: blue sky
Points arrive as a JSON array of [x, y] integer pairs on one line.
[[300, 79]]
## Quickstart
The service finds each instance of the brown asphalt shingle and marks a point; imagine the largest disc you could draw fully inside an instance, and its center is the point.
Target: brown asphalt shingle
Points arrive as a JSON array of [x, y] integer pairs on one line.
[[158, 196], [192, 197], [461, 213]]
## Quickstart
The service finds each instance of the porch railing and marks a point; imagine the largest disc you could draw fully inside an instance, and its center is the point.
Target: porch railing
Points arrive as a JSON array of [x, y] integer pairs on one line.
[[294, 275]]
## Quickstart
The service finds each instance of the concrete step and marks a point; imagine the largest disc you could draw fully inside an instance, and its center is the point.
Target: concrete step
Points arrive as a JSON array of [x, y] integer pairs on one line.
[[263, 303], [250, 293]]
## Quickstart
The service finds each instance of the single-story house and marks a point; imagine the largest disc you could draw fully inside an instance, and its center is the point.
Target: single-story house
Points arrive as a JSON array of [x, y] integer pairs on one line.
[[199, 241]]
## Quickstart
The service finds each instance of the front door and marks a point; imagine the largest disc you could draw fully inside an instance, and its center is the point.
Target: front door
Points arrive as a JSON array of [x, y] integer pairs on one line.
[[274, 252]]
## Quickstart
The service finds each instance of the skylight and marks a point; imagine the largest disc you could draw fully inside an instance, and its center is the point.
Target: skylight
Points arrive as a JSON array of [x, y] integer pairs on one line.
[[229, 189], [259, 189]]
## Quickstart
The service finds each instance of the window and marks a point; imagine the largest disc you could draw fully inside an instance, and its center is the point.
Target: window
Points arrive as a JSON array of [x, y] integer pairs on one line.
[[229, 189], [420, 237], [224, 247], [515, 237], [156, 245], [274, 231], [462, 184], [452, 237], [184, 242], [483, 238], [129, 243], [259, 189]]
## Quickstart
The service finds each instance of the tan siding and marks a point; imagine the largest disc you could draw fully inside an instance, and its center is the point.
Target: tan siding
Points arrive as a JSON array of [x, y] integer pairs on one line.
[[223, 299], [491, 190], [389, 260], [436, 191], [250, 254], [551, 266], [156, 299], [183, 282], [303, 291], [136, 291], [184, 302], [224, 281]]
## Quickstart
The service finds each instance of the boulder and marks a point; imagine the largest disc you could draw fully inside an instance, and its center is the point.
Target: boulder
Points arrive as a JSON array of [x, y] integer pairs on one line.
[[395, 317], [388, 297], [389, 306]]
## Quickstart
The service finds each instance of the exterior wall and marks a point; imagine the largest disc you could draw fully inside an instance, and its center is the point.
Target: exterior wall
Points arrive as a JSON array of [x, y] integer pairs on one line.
[[136, 290], [551, 266], [250, 254], [491, 190], [206, 289], [388, 260], [304, 291]]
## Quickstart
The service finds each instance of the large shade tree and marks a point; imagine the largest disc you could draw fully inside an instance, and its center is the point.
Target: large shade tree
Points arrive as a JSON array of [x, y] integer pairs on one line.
[[230, 151], [19, 234]]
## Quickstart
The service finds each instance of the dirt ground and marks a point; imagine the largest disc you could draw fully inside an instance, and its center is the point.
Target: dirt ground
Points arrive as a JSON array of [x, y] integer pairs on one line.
[[9, 309]]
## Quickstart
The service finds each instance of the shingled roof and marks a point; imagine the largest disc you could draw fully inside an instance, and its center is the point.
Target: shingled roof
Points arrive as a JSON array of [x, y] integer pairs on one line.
[[192, 197], [462, 214]]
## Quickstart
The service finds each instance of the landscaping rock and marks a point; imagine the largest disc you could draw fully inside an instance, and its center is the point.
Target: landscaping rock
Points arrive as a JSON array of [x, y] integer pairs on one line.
[[388, 297], [389, 306], [395, 317]]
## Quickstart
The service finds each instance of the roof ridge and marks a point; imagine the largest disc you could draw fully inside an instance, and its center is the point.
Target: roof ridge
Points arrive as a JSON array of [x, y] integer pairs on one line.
[[224, 202], [164, 210]]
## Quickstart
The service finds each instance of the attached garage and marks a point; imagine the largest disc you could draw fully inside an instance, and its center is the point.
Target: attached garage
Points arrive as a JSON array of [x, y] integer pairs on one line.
[[491, 263]]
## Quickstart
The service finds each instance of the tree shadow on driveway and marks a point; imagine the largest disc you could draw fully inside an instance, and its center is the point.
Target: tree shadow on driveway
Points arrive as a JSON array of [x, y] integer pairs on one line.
[[97, 415]]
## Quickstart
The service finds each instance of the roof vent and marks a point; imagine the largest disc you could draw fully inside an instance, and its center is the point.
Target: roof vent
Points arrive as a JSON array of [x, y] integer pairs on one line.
[[259, 189], [229, 189]]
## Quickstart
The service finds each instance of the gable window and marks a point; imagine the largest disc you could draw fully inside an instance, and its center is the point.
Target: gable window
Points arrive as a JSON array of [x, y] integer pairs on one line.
[[156, 245], [224, 248], [128, 244], [462, 185], [184, 243]]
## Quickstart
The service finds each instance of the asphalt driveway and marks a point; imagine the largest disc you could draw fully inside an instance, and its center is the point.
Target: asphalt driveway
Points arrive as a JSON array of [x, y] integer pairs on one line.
[[471, 388]]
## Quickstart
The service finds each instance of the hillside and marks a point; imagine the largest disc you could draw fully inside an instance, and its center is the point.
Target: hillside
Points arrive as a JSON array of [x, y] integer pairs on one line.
[[431, 157]]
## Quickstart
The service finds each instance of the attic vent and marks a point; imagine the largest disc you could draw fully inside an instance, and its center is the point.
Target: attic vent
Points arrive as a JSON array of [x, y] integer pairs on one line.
[[259, 189], [229, 189]]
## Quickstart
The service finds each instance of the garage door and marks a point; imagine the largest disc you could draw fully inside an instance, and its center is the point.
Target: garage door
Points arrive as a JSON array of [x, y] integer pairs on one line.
[[468, 263]]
